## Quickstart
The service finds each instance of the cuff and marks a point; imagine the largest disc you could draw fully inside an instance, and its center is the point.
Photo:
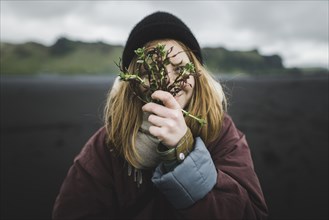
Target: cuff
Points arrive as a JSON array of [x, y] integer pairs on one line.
[[191, 180], [183, 148]]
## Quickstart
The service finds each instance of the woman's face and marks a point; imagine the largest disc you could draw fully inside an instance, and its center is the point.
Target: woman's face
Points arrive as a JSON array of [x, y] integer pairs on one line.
[[184, 96]]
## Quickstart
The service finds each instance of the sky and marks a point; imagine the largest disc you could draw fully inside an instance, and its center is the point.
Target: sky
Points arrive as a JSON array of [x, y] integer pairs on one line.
[[297, 30]]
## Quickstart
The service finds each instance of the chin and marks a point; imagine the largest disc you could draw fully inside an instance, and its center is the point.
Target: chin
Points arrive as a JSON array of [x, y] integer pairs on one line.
[[182, 104]]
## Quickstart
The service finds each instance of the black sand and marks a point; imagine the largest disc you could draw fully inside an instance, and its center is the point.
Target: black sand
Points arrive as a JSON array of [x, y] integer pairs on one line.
[[46, 121]]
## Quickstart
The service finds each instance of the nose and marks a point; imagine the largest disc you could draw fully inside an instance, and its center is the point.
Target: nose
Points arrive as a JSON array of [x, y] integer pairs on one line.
[[171, 73]]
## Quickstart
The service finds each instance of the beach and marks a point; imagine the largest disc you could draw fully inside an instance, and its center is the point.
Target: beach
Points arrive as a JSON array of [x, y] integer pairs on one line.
[[45, 121]]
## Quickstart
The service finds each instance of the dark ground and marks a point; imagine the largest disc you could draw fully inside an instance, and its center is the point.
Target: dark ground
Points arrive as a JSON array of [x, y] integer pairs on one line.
[[46, 121]]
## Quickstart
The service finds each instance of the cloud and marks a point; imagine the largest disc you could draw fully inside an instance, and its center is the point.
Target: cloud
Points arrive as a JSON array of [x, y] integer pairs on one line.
[[285, 19], [35, 10], [296, 30]]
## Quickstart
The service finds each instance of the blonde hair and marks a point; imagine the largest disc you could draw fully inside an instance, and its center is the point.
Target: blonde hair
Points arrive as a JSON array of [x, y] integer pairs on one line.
[[123, 114]]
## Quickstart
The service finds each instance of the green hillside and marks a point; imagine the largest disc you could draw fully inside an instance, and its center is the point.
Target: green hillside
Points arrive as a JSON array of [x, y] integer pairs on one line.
[[64, 57], [76, 57], [248, 62]]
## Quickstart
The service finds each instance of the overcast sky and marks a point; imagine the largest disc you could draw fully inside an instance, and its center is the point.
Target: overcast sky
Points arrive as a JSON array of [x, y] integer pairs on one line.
[[296, 30]]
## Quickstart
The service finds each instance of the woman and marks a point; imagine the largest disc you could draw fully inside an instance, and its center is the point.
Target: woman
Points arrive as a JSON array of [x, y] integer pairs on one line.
[[123, 172]]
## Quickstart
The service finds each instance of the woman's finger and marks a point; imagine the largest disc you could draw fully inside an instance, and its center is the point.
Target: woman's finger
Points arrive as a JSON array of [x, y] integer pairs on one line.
[[157, 120], [167, 99], [161, 111], [162, 122], [157, 132]]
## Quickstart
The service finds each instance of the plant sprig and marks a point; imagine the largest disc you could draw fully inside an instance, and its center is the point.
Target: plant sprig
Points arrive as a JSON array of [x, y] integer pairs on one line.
[[151, 74]]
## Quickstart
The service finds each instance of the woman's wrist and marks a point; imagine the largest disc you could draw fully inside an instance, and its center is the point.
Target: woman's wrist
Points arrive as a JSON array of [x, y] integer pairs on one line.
[[179, 153]]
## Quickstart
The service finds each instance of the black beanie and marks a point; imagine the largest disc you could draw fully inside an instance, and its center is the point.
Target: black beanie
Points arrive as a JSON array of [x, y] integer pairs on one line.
[[159, 25]]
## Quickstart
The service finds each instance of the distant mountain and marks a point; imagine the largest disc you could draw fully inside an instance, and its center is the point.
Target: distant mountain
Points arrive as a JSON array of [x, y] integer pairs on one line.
[[64, 57], [223, 60], [76, 57]]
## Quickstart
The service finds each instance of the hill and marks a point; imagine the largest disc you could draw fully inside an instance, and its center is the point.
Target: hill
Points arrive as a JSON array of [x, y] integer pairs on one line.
[[75, 57]]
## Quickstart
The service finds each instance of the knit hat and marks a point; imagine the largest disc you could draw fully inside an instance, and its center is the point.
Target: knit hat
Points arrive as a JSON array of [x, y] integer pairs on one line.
[[159, 25]]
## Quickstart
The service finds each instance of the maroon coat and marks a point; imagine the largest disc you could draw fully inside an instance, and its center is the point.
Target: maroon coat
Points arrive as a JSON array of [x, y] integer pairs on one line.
[[97, 185]]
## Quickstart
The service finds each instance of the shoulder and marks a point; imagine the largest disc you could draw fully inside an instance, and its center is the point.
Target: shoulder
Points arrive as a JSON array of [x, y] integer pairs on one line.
[[229, 133], [229, 129], [98, 138], [95, 144], [95, 156]]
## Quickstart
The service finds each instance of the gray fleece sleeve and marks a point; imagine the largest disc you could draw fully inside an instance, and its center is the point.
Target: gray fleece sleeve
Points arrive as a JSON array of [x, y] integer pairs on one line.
[[191, 180]]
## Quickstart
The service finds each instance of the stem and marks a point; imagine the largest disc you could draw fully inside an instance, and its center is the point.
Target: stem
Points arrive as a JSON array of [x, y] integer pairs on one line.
[[131, 76], [200, 120]]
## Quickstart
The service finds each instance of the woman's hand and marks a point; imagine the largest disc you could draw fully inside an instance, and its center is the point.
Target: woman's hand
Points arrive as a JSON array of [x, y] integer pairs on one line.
[[168, 123]]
